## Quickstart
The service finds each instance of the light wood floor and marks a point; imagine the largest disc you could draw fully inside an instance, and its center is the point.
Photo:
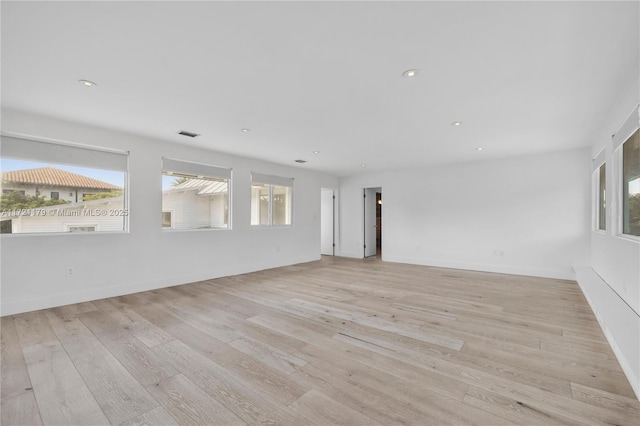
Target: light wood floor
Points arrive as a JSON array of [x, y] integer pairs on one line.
[[339, 341]]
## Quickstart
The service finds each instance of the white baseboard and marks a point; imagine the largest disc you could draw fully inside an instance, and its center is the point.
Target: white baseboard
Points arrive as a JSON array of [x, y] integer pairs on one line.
[[562, 274], [13, 307]]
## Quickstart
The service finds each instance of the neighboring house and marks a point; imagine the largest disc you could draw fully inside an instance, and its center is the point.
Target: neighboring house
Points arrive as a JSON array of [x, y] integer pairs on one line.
[[103, 215], [53, 184], [195, 203], [73, 216]]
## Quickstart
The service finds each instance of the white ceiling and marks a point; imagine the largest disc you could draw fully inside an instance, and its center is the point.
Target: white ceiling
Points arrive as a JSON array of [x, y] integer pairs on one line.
[[522, 77]]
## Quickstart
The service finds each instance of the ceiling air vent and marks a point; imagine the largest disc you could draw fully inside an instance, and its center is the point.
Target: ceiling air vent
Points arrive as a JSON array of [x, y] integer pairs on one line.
[[301, 161], [190, 134]]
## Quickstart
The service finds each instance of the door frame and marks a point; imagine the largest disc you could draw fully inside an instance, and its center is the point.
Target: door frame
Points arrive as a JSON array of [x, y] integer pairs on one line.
[[333, 219], [365, 227]]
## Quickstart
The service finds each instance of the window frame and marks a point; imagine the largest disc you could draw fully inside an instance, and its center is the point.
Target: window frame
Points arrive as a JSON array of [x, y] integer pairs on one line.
[[171, 166], [81, 155], [597, 163], [170, 219], [624, 134]]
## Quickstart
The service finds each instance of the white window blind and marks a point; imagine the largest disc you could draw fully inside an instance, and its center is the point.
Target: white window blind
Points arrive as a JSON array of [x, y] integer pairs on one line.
[[271, 180], [598, 160], [630, 125], [195, 169], [73, 155]]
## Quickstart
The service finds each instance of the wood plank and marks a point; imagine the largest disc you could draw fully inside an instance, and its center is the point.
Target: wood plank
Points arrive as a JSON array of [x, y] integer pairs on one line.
[[270, 382], [268, 355], [205, 344], [33, 329], [512, 410], [235, 394], [437, 406], [189, 404], [136, 357], [605, 399], [119, 395], [319, 409], [62, 396], [14, 377], [530, 395], [376, 404], [157, 416], [382, 324], [20, 410]]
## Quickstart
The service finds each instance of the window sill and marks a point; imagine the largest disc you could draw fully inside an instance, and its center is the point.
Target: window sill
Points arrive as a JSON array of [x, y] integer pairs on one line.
[[58, 234], [632, 238], [168, 230]]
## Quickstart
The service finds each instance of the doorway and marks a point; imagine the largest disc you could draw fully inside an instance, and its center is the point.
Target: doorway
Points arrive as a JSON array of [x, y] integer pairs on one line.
[[372, 222], [327, 222]]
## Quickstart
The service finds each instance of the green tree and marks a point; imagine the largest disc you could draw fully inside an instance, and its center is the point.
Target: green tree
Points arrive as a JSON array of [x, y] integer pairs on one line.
[[101, 195], [634, 214], [179, 180], [15, 200]]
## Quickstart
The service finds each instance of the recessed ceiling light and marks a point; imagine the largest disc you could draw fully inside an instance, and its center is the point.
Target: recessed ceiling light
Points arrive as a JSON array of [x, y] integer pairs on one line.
[[87, 83], [316, 152], [246, 130], [456, 123], [478, 149], [363, 165], [410, 73]]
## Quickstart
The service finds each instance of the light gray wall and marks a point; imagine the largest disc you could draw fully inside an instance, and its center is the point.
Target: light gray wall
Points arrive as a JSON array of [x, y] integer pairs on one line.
[[147, 258], [534, 209]]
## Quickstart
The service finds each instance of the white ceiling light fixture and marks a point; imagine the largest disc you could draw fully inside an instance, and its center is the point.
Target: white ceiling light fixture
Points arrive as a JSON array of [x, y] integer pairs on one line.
[[456, 123], [316, 152], [87, 83], [245, 130], [363, 165], [410, 73], [478, 149]]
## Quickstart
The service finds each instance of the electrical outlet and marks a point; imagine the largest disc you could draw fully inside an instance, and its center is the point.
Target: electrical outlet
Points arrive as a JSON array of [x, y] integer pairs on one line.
[[69, 271], [499, 253]]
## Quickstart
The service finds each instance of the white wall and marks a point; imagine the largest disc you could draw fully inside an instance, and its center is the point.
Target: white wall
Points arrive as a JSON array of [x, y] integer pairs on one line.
[[534, 209], [611, 283], [147, 258]]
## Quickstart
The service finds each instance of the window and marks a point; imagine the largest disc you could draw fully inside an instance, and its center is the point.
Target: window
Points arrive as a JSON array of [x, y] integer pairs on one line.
[[631, 185], [602, 186], [32, 169], [271, 200], [194, 196], [91, 228], [166, 220], [12, 191]]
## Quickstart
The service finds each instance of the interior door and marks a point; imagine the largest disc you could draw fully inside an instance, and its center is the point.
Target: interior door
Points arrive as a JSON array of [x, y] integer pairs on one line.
[[327, 226], [369, 222]]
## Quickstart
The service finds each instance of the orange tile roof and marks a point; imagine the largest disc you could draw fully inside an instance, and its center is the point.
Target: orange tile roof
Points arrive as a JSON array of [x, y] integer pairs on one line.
[[55, 177]]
